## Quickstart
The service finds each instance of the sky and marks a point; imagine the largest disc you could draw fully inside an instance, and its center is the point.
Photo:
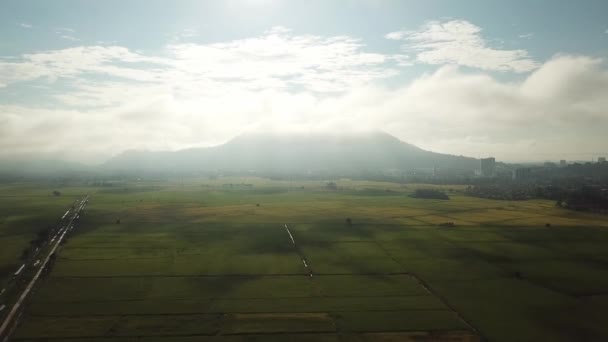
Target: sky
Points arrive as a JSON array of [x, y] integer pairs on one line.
[[517, 80]]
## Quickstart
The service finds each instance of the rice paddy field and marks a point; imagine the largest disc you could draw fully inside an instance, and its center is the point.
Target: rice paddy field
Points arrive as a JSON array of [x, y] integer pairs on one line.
[[214, 260]]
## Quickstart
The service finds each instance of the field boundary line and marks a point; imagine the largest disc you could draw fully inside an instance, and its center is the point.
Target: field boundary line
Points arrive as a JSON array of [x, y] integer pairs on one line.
[[221, 298], [215, 313], [443, 300], [268, 333]]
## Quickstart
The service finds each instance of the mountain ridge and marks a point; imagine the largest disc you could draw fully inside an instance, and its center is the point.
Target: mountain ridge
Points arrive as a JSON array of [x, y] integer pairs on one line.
[[340, 152]]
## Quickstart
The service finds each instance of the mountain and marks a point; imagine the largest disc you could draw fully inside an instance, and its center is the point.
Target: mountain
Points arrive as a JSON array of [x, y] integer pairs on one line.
[[354, 152]]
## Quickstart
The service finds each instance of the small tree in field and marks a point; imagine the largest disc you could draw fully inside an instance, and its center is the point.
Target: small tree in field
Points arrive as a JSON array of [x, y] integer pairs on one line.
[[332, 186], [349, 221]]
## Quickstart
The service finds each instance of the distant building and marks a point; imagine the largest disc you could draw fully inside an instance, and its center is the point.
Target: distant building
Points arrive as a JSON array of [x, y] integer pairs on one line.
[[550, 165], [563, 163], [488, 167], [522, 173], [601, 160]]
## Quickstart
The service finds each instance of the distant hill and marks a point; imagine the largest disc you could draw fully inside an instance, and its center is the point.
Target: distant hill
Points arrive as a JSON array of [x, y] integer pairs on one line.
[[355, 152]]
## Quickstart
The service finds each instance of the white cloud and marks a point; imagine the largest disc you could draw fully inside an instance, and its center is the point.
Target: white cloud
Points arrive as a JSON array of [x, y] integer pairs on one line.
[[556, 111], [275, 60], [184, 34], [526, 36], [188, 33], [397, 35], [279, 60], [26, 25], [67, 37], [278, 30], [76, 62], [250, 82], [106, 42], [460, 42], [60, 30], [203, 94], [66, 33], [64, 30]]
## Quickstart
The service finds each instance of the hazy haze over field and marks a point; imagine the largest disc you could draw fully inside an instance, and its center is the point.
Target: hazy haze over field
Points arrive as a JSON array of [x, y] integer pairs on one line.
[[87, 80]]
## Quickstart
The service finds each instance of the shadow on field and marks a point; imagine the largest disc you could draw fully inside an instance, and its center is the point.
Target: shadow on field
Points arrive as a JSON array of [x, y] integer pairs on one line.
[[271, 242], [220, 286], [326, 233], [88, 222], [573, 322]]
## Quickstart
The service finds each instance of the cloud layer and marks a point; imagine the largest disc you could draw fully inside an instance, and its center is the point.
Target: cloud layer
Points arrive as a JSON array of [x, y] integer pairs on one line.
[[460, 42], [105, 99]]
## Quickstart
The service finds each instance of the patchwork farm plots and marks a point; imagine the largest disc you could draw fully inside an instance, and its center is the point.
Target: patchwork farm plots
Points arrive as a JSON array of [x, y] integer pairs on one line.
[[215, 260]]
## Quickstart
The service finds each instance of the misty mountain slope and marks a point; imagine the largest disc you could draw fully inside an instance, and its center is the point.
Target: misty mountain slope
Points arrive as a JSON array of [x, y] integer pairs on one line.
[[295, 152]]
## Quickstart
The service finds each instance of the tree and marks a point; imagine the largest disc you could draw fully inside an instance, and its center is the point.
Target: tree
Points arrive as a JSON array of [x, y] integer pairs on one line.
[[56, 193], [25, 253], [331, 186], [349, 221]]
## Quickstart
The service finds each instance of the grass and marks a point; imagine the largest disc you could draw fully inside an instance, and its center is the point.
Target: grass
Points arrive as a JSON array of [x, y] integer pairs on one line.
[[205, 261]]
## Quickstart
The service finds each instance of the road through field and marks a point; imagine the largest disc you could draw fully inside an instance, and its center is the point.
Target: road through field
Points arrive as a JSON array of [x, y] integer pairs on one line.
[[13, 315]]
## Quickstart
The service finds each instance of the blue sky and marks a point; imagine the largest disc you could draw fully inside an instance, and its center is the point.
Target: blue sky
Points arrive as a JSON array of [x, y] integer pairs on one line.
[[521, 80], [557, 25]]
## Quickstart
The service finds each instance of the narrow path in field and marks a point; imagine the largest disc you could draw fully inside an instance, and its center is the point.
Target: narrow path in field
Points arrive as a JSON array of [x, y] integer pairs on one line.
[[302, 257], [447, 212]]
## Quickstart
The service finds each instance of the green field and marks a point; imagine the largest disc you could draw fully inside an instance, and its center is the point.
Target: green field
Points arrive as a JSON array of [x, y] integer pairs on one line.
[[26, 209], [202, 261]]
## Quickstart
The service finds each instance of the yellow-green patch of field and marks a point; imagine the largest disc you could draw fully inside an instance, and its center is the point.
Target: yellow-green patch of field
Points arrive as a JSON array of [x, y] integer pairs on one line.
[[495, 216], [543, 220], [278, 322], [434, 219], [418, 336], [408, 221]]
